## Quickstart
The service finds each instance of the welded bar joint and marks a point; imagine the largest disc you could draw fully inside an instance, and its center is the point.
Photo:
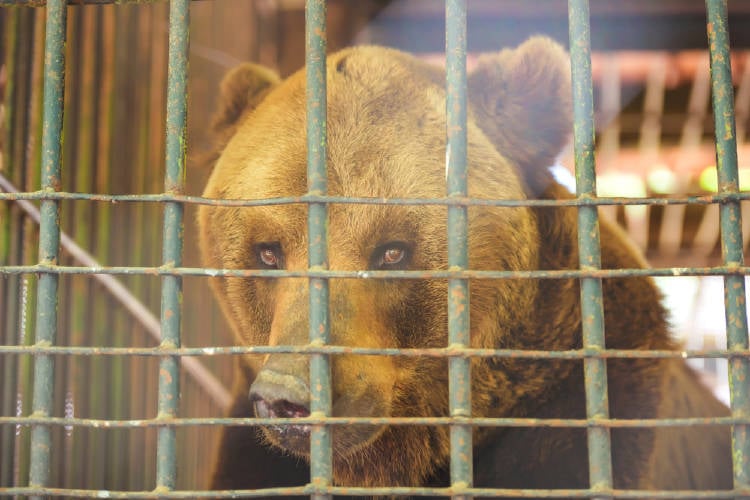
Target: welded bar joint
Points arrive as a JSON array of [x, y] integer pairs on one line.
[[731, 234], [49, 237], [317, 223], [459, 368], [171, 291], [592, 308]]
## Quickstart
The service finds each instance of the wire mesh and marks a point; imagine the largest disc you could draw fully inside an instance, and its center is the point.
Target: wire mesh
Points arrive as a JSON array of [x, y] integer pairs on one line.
[[172, 272]]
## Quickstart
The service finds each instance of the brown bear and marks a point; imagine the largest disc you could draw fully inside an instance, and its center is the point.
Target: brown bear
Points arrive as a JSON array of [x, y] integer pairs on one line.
[[386, 139]]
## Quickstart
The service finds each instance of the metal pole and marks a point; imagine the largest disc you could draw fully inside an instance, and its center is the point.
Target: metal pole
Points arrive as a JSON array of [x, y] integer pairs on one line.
[[731, 234], [459, 368], [171, 291], [589, 249], [320, 370], [49, 237]]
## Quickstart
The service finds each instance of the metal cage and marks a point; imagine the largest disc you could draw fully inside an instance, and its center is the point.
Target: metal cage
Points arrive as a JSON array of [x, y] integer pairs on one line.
[[41, 418]]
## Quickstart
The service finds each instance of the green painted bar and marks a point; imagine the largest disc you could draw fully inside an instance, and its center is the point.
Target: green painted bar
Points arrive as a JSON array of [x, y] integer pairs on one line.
[[592, 310], [612, 423], [320, 370], [459, 368], [380, 492], [323, 273], [731, 234], [49, 237], [171, 292], [706, 199], [434, 352]]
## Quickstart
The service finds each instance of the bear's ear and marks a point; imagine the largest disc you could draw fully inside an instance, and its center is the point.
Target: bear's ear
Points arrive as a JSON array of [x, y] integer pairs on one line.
[[242, 89], [521, 98]]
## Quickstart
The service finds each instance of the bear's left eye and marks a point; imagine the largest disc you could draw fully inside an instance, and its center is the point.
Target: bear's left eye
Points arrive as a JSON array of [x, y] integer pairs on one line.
[[394, 255]]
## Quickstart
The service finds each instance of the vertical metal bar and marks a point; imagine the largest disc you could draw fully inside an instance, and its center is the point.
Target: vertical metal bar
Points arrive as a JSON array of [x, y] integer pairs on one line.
[[171, 291], [30, 130], [10, 241], [459, 368], [731, 234], [317, 223], [592, 310], [49, 236]]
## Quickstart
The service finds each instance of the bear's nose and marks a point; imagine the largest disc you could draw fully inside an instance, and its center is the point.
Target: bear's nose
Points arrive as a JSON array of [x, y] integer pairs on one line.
[[276, 395], [279, 395]]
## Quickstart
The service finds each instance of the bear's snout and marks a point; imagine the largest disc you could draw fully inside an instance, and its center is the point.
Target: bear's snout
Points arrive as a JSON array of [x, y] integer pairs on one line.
[[279, 395]]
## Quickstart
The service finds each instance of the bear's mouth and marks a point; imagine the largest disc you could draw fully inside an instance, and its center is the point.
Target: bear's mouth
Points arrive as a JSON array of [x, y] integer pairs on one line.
[[283, 409], [295, 438]]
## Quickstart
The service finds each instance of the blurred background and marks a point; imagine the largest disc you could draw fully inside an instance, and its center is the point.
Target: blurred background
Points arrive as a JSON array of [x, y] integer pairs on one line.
[[654, 138]]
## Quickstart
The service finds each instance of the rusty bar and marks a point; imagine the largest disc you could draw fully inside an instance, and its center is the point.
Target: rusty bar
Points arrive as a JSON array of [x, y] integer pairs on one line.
[[317, 223], [402, 421], [49, 237], [381, 492], [171, 291], [731, 234], [14, 195], [324, 273], [592, 310], [459, 368], [435, 352]]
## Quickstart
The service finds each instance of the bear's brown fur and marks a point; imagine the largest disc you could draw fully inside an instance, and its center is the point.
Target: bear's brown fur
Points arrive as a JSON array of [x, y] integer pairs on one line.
[[386, 138]]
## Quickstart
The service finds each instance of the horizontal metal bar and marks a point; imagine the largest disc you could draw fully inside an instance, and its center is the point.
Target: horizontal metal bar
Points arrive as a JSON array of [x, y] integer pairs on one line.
[[712, 199], [410, 275], [385, 492], [434, 352], [13, 194], [401, 421]]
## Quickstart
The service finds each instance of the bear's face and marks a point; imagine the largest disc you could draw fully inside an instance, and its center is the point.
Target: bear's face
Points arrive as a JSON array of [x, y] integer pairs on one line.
[[386, 139]]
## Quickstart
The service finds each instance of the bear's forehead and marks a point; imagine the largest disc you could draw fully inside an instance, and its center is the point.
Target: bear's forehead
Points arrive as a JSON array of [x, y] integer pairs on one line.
[[385, 134]]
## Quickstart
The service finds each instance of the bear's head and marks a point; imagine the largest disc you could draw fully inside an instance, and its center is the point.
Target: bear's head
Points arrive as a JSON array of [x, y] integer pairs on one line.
[[386, 133]]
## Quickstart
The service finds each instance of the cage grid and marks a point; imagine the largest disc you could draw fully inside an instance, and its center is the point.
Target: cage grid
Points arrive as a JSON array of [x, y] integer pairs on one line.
[[171, 356]]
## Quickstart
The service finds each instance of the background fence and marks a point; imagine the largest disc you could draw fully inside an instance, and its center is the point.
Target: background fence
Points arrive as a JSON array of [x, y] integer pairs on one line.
[[116, 106]]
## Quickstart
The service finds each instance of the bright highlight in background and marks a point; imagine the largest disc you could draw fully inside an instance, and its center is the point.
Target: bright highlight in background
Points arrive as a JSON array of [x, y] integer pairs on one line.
[[708, 179]]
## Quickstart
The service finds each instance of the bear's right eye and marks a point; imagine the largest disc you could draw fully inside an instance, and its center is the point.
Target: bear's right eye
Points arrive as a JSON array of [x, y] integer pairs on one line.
[[393, 255], [269, 255]]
